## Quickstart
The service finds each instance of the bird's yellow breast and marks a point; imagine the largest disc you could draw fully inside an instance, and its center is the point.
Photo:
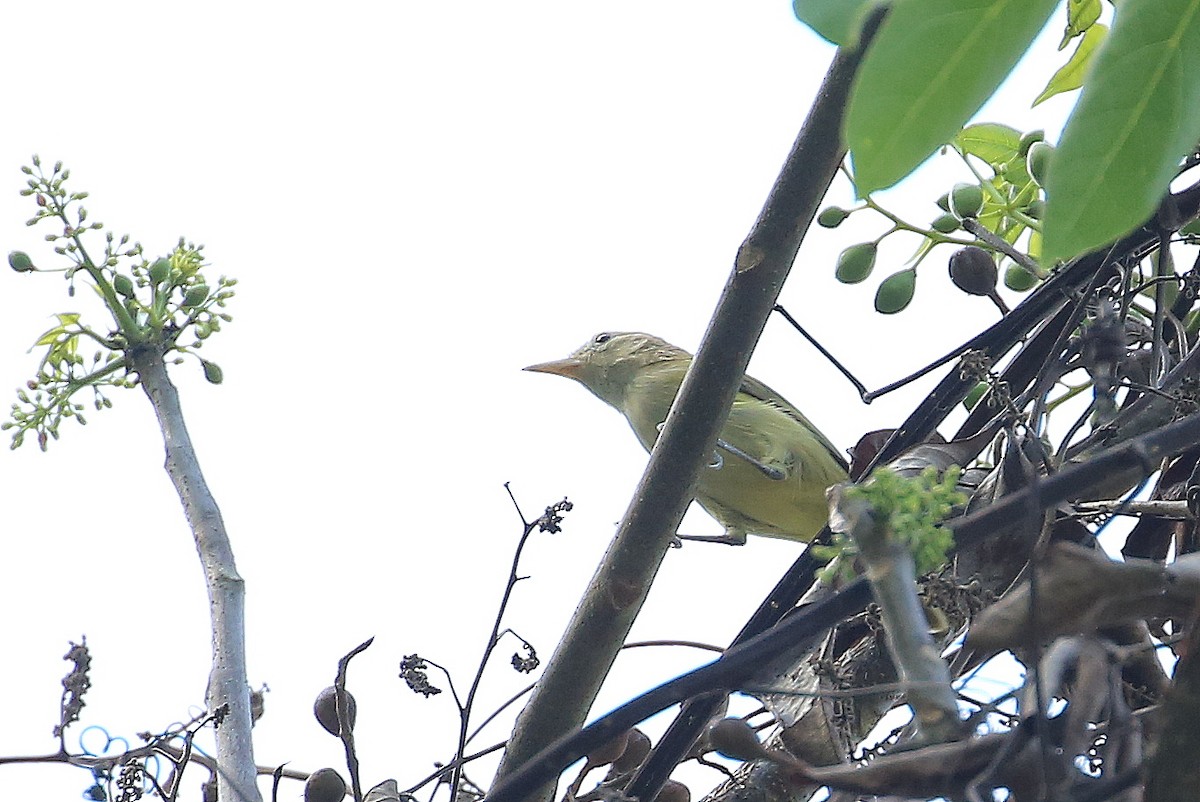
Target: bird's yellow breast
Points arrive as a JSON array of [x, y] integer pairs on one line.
[[734, 491]]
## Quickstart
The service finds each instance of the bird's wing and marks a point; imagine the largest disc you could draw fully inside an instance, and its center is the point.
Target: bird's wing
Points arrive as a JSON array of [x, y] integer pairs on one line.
[[757, 389]]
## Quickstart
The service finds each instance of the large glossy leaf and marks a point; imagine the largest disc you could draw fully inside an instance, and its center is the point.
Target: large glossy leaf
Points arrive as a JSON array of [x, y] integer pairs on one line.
[[839, 21], [1070, 75], [1138, 115], [930, 67]]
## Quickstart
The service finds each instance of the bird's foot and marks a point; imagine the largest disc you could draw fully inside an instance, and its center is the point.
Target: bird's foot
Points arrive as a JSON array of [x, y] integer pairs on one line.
[[732, 537], [769, 471], [718, 462]]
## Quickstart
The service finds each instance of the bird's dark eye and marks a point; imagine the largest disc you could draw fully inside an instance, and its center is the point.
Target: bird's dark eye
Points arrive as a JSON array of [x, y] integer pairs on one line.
[[601, 338]]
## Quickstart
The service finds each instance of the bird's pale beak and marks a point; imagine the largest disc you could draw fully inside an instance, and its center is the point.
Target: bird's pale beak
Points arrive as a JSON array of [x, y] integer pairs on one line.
[[569, 367]]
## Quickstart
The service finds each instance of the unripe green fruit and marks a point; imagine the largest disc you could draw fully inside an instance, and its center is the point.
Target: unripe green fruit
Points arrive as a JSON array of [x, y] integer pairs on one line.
[[966, 200], [944, 202], [194, 296], [856, 262], [1028, 140], [325, 709], [123, 285], [1018, 278], [160, 270], [324, 785], [973, 270], [1037, 161], [20, 262], [945, 224], [832, 216], [213, 373], [896, 292]]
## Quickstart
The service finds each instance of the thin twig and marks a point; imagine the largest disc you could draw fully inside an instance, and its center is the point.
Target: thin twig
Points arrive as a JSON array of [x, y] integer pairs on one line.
[[850, 377], [991, 240], [1172, 510], [492, 716], [492, 641], [441, 770]]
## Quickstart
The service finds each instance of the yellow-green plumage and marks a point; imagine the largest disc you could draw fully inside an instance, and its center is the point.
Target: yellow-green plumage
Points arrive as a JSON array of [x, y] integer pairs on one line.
[[640, 374]]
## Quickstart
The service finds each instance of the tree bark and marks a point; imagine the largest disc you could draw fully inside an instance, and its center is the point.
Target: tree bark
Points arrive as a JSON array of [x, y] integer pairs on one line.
[[227, 683]]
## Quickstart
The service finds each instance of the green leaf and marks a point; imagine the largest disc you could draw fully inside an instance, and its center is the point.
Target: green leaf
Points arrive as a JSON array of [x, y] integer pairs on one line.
[[1138, 115], [1016, 173], [838, 21], [49, 337], [1070, 75], [975, 395], [992, 142], [1081, 15], [930, 67], [67, 318], [924, 248]]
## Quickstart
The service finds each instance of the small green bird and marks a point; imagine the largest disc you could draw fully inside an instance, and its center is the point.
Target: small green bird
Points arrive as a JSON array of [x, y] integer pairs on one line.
[[771, 467]]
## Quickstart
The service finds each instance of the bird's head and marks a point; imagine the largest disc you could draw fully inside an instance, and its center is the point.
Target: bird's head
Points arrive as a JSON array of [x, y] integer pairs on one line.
[[607, 363]]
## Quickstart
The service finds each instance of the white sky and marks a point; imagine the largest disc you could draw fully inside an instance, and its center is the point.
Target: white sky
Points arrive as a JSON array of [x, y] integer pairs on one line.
[[417, 199]]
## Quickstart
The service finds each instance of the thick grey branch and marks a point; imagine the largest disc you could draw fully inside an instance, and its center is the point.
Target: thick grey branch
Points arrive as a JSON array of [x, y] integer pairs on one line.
[[568, 687], [227, 684]]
